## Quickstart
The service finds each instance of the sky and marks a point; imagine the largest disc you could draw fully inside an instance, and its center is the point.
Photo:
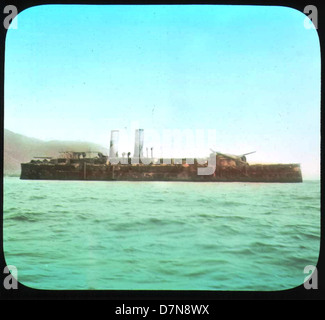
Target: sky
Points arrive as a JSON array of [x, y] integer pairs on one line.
[[232, 78]]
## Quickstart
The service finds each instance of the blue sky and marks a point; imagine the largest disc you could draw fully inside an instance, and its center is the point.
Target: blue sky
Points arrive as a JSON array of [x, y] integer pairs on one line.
[[249, 74]]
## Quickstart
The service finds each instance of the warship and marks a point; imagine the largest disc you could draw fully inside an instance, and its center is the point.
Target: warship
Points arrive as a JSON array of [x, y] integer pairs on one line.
[[217, 167]]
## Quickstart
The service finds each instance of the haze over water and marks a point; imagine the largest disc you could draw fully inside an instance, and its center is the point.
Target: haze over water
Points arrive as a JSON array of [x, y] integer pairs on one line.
[[161, 235]]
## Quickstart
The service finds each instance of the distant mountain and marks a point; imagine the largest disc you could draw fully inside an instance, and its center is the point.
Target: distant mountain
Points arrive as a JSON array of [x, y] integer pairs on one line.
[[19, 148]]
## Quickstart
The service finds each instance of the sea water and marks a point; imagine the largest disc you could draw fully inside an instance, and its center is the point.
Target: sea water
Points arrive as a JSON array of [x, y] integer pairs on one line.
[[161, 235]]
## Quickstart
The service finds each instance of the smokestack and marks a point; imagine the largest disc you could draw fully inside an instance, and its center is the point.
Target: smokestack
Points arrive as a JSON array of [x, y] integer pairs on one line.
[[138, 144], [113, 148]]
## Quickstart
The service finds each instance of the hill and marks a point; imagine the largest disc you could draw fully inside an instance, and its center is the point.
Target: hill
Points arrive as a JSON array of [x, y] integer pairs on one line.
[[19, 148]]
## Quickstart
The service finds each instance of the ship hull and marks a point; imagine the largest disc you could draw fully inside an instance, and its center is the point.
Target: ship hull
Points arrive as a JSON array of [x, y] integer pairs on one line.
[[282, 173]]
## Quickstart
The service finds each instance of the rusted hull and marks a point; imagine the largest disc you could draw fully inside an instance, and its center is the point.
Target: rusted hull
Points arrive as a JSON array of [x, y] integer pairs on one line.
[[283, 173]]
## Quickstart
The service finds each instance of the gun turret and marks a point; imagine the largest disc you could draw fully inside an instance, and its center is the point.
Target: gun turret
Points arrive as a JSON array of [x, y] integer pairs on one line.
[[241, 157]]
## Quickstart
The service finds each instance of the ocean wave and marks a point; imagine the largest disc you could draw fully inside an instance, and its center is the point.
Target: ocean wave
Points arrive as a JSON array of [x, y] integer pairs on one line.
[[200, 236], [306, 198], [312, 236], [24, 217], [37, 197]]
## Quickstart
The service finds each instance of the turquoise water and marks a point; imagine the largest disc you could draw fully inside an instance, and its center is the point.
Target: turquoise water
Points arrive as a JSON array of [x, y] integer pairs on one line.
[[161, 235]]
